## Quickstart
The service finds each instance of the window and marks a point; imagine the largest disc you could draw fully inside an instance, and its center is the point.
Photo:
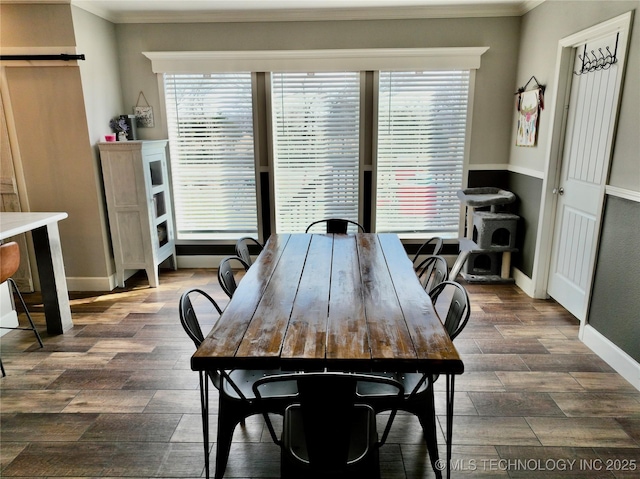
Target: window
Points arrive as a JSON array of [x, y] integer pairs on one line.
[[422, 121], [316, 131], [210, 123]]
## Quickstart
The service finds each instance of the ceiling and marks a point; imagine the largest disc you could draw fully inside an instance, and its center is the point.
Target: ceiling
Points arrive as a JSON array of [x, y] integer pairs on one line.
[[171, 11]]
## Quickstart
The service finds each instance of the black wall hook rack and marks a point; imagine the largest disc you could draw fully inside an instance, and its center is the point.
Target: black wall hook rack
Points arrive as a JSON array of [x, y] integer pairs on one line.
[[592, 61], [63, 56]]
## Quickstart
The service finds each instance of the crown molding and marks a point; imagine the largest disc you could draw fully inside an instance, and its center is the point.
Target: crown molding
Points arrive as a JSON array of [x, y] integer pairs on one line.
[[149, 15], [316, 60]]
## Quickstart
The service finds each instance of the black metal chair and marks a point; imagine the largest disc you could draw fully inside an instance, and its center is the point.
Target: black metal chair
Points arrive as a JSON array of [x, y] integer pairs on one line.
[[419, 397], [236, 398], [432, 271], [242, 248], [327, 431], [337, 226], [432, 246], [9, 264], [226, 276]]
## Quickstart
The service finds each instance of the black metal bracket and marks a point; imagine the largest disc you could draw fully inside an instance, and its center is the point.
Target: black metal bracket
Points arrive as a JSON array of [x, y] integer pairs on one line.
[[63, 56], [539, 85]]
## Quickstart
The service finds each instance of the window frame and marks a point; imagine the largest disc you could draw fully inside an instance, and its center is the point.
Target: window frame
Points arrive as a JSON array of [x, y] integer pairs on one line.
[[410, 237], [257, 188], [271, 159]]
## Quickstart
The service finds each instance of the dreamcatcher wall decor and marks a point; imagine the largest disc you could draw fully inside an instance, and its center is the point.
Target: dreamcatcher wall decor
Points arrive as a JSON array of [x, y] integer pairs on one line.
[[530, 103]]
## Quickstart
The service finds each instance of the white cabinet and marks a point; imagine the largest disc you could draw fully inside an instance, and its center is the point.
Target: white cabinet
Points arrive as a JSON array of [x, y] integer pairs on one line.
[[139, 205]]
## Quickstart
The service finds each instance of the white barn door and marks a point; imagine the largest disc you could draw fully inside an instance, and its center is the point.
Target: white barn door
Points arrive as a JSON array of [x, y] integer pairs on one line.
[[589, 135]]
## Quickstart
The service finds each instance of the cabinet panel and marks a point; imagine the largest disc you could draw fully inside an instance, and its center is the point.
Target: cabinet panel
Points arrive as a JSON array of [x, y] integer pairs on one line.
[[132, 238], [122, 178]]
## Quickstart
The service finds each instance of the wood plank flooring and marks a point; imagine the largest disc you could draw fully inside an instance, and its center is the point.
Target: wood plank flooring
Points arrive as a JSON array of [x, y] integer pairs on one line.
[[115, 396]]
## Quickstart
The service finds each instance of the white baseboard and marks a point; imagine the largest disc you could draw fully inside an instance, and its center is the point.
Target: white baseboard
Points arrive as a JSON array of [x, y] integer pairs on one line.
[[8, 320], [8, 316], [615, 357], [106, 283], [523, 282]]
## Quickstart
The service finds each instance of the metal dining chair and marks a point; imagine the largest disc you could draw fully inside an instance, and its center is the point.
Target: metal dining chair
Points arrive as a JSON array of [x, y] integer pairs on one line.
[[419, 397], [337, 226], [327, 431], [9, 264], [432, 246], [236, 398], [226, 276], [432, 271], [242, 248]]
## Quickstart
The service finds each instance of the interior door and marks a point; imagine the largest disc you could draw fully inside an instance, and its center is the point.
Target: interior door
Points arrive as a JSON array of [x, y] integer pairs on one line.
[[589, 133]]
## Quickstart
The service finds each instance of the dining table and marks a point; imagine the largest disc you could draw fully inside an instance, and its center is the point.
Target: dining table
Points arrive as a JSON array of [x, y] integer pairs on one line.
[[45, 234], [335, 302]]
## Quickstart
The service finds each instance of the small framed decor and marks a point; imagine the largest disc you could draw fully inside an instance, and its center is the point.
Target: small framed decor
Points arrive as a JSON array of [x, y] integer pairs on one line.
[[144, 113], [530, 103]]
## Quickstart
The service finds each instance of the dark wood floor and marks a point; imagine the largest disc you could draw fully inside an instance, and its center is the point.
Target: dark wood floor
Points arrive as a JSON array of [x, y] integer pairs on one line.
[[115, 397]]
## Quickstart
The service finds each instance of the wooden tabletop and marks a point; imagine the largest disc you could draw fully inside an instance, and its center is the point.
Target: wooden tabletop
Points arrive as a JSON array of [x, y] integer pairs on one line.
[[342, 302]]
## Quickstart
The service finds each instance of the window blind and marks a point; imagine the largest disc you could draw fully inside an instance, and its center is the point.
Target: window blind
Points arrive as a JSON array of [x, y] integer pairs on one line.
[[422, 119], [315, 147], [210, 123]]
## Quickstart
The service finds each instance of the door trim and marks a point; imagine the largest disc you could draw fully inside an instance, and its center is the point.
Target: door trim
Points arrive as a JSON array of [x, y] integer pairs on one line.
[[553, 156]]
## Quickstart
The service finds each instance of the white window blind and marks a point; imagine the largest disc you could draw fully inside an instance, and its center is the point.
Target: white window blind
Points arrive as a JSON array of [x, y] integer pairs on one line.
[[422, 118], [210, 123], [315, 147]]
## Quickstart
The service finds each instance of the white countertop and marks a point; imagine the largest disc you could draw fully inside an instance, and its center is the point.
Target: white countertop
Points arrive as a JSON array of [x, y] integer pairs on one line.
[[12, 224]]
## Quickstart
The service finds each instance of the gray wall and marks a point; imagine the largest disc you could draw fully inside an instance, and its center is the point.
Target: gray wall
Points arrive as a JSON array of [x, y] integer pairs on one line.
[[615, 302], [528, 191]]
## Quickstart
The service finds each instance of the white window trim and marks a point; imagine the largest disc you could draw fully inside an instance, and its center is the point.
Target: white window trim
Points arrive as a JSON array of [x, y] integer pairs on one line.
[[464, 58]]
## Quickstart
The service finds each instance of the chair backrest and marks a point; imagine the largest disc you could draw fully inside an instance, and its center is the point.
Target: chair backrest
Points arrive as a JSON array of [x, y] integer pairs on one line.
[[459, 309], [326, 402], [432, 271], [458, 264], [9, 260], [242, 248], [191, 324], [188, 316], [337, 226], [225, 274], [432, 246]]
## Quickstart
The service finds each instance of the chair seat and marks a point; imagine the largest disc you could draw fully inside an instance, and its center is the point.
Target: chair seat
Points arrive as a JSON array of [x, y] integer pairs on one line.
[[362, 427]]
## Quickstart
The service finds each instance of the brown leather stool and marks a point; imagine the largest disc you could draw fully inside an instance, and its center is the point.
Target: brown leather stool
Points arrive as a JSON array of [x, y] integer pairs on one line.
[[9, 263]]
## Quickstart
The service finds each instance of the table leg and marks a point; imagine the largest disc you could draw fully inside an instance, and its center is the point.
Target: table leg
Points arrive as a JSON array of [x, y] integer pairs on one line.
[[53, 282], [429, 428], [450, 392], [204, 405]]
